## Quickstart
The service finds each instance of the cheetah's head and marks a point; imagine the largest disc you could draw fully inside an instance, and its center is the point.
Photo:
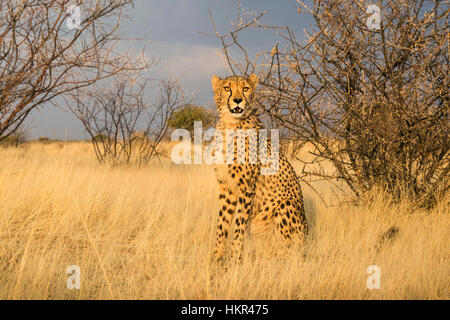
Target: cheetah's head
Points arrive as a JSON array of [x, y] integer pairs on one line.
[[234, 95]]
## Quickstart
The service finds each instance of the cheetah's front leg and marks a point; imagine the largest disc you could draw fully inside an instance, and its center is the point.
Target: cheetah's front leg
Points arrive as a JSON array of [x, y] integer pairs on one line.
[[243, 211], [227, 203]]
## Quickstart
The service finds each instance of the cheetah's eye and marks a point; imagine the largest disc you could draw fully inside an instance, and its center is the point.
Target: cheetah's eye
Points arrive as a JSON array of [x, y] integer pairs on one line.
[[245, 89], [227, 88]]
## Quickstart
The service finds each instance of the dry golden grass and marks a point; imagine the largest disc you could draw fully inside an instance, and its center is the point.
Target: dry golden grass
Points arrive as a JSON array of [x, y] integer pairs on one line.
[[147, 233]]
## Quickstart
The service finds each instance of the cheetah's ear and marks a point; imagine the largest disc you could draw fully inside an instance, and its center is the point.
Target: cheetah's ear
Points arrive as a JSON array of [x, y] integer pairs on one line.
[[253, 79], [215, 82]]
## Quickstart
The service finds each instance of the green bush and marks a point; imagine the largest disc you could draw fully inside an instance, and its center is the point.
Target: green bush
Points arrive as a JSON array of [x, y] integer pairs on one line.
[[184, 118], [44, 140], [101, 137]]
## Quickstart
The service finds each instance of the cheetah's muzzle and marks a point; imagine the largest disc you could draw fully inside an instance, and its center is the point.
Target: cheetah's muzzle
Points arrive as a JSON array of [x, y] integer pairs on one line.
[[237, 110]]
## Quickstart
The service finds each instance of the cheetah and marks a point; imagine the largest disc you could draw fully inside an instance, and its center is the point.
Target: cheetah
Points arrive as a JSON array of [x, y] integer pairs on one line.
[[245, 195]]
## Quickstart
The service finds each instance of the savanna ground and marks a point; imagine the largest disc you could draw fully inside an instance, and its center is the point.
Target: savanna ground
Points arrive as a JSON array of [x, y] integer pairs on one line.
[[148, 232]]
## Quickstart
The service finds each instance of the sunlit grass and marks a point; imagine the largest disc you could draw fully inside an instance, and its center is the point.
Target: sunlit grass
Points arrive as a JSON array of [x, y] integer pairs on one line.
[[147, 233]]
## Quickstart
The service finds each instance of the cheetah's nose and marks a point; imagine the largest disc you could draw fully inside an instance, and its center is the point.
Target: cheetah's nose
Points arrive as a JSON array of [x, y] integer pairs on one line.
[[237, 101]]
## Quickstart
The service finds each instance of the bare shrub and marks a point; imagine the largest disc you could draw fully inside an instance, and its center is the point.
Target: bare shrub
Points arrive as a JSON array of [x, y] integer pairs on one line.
[[123, 125], [15, 139], [374, 103], [42, 56]]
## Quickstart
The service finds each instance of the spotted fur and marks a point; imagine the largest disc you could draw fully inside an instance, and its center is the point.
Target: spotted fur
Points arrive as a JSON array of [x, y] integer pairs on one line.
[[247, 196]]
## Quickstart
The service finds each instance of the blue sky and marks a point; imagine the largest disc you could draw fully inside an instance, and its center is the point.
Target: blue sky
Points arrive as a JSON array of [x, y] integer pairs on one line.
[[174, 27]]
